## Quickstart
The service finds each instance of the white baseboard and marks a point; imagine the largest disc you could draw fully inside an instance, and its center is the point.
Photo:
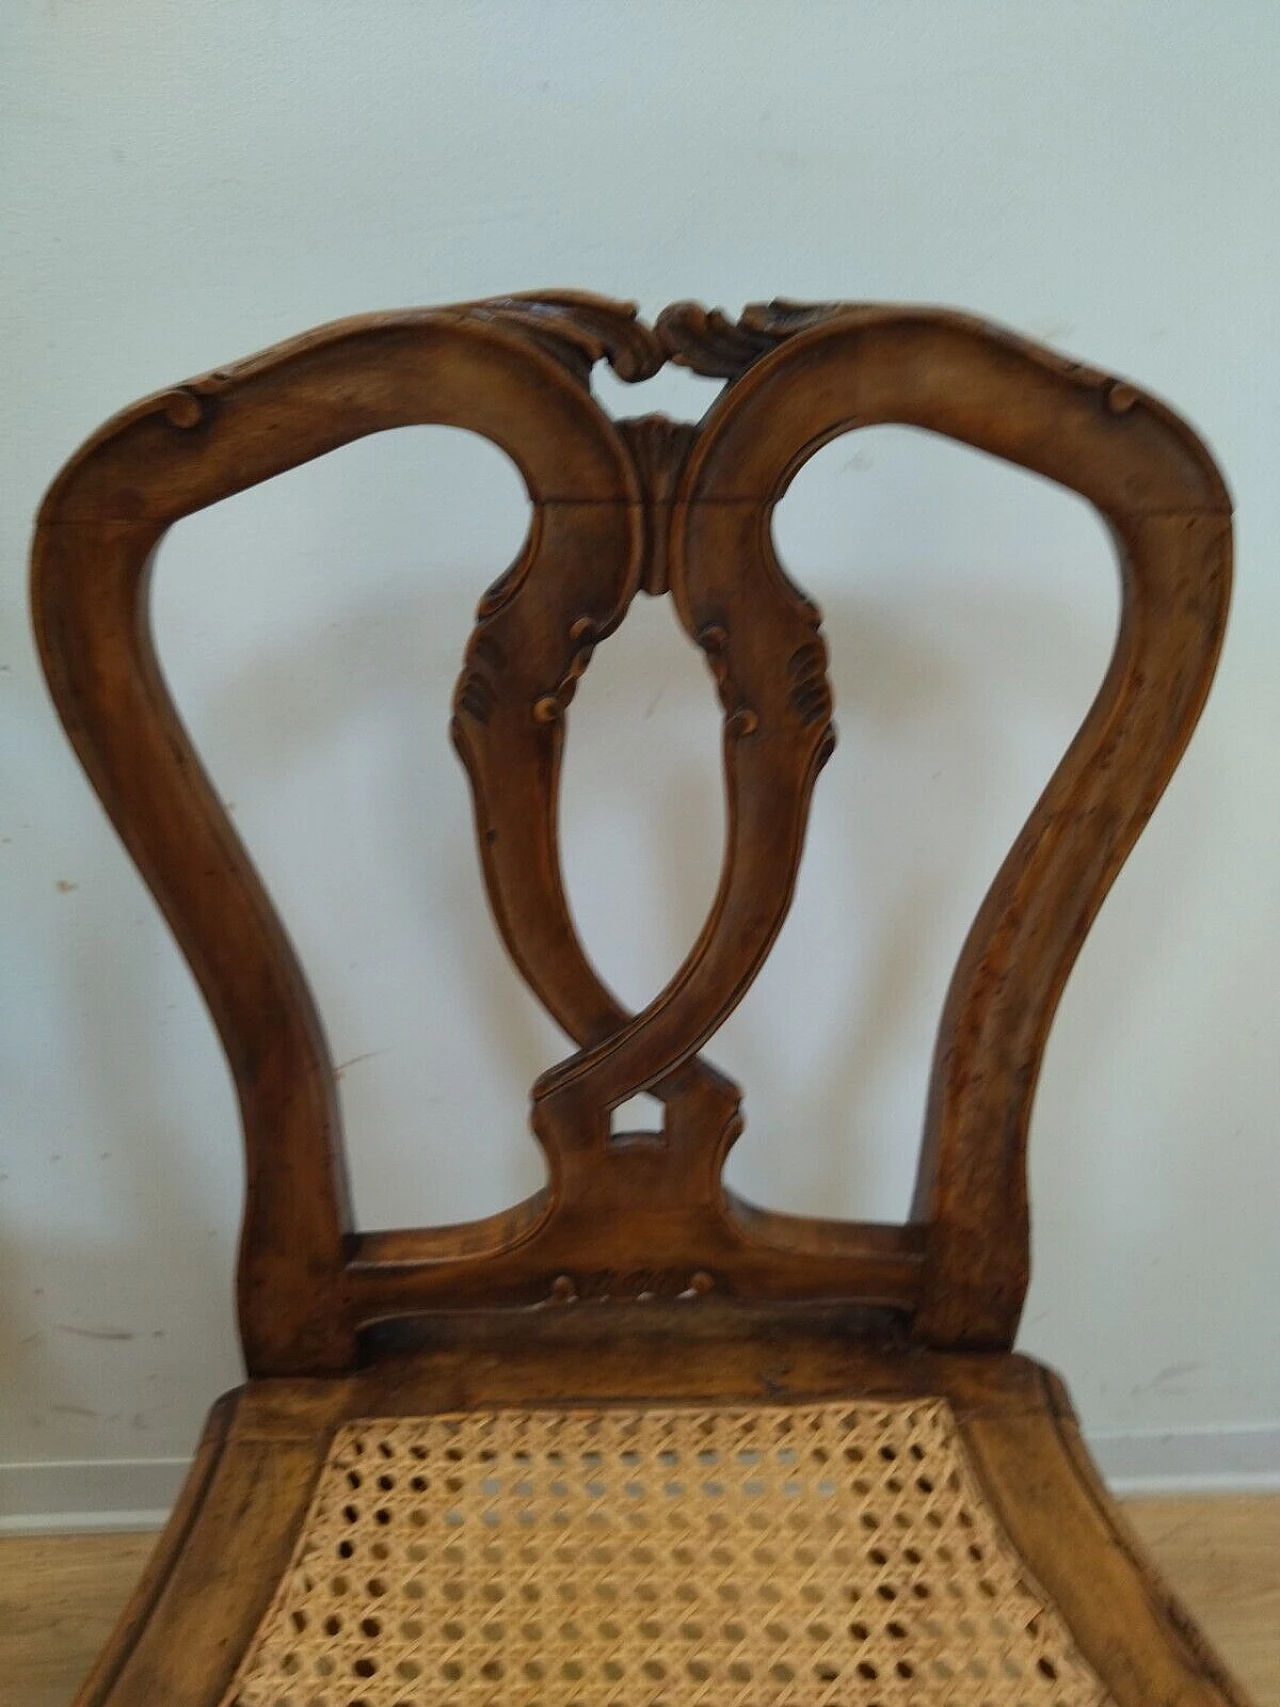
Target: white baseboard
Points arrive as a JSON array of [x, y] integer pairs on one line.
[[136, 1493], [1189, 1461], [105, 1493]]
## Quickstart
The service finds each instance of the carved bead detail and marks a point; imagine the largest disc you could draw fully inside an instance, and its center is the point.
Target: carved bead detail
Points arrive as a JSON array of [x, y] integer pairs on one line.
[[183, 408], [740, 719], [639, 1285], [1120, 397]]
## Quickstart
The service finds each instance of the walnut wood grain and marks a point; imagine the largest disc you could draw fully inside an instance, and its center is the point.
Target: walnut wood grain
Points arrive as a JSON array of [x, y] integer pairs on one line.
[[635, 1274], [1161, 494], [647, 504], [98, 529]]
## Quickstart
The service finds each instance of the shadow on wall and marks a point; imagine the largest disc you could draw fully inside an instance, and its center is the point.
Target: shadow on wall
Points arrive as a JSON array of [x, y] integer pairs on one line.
[[130, 1242]]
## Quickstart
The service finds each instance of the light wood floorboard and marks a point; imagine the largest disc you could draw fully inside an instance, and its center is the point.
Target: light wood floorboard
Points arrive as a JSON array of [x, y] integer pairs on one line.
[[1221, 1556]]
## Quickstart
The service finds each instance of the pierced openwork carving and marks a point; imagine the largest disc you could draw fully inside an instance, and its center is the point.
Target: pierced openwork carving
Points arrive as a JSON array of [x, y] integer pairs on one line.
[[663, 507]]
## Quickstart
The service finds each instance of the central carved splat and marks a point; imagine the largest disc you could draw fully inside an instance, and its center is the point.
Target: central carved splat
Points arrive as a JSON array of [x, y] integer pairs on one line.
[[535, 636]]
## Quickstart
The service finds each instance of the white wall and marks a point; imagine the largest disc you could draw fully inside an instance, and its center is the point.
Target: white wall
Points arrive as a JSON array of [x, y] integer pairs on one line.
[[185, 184]]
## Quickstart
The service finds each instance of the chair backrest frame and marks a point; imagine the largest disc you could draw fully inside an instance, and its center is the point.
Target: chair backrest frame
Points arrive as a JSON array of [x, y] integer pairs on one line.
[[619, 508]]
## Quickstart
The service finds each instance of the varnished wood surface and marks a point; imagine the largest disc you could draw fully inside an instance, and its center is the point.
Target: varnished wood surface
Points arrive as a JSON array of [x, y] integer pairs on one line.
[[59, 1596], [620, 508], [642, 1276]]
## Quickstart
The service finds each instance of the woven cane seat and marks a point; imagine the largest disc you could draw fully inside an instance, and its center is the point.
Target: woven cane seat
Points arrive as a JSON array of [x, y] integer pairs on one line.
[[789, 1556], [634, 1442]]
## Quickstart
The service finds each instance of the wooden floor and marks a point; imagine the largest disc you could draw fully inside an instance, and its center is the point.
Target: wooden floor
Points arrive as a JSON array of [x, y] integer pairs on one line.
[[59, 1595]]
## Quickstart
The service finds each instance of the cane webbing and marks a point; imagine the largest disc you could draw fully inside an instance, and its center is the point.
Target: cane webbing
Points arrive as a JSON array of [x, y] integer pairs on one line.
[[781, 1556]]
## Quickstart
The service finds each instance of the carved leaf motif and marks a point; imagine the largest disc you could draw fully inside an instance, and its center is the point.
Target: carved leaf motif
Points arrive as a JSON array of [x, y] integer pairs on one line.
[[580, 329], [710, 343], [659, 449]]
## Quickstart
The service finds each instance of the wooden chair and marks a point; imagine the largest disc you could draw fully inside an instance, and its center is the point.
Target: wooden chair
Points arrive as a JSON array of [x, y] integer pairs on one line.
[[634, 1441]]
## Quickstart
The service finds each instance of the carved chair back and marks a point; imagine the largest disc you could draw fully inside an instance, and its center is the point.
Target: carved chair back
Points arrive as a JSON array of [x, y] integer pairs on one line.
[[622, 508]]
